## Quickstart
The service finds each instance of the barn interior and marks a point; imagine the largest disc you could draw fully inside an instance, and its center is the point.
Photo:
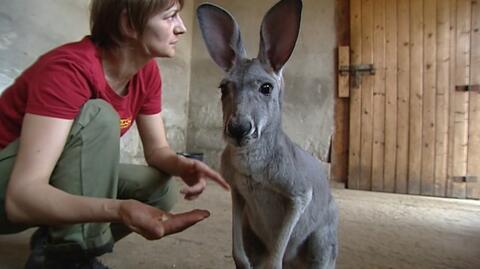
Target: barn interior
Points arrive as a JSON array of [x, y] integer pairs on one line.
[[384, 93]]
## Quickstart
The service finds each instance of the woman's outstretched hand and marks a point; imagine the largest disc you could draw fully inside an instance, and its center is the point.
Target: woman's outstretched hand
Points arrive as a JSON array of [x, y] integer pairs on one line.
[[153, 223]]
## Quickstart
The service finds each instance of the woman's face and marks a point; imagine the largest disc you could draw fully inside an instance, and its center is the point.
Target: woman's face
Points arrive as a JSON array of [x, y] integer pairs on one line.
[[162, 33]]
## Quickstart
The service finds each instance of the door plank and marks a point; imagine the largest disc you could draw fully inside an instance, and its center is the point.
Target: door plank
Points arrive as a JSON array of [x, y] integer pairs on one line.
[[442, 99], [390, 95], [462, 74], [451, 93], [367, 98], [429, 96], [378, 96], [473, 188], [416, 96], [355, 97], [403, 84]]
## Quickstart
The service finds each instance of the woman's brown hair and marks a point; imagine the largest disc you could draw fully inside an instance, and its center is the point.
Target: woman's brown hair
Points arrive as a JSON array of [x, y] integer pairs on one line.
[[105, 18]]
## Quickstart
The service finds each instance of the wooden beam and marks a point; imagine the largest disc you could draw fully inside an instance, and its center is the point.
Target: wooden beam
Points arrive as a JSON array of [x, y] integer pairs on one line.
[[339, 152]]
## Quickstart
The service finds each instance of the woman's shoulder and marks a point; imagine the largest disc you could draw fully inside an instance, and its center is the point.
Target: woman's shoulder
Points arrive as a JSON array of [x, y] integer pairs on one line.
[[80, 51], [79, 57], [150, 70], [151, 66]]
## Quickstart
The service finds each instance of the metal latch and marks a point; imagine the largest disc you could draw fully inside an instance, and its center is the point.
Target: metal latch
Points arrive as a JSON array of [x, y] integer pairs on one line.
[[357, 71], [468, 88], [464, 179]]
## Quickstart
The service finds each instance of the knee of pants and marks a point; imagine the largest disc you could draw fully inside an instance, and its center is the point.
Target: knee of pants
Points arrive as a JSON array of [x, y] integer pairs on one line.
[[165, 198], [89, 162], [100, 117]]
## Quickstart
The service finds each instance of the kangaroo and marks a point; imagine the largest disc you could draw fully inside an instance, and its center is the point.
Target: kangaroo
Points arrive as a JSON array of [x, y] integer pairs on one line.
[[284, 215]]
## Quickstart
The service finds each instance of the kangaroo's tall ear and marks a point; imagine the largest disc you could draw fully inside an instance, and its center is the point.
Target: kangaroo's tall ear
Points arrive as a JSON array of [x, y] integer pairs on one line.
[[221, 34], [279, 32]]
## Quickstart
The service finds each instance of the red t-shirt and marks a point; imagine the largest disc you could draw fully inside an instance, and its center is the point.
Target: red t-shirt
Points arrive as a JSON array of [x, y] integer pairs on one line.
[[62, 80]]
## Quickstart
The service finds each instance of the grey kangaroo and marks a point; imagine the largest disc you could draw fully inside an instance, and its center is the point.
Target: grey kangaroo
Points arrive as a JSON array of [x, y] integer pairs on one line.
[[284, 215]]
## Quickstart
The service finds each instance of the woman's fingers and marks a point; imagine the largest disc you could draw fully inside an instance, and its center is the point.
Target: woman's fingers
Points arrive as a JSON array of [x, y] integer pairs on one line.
[[167, 224], [179, 222], [195, 190], [212, 174]]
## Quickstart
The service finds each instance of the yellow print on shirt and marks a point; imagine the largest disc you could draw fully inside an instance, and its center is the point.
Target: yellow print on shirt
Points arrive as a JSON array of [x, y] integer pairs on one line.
[[125, 123]]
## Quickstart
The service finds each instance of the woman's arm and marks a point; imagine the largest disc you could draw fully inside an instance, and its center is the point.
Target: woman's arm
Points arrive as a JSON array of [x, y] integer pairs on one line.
[[159, 154], [31, 200], [29, 197], [156, 149]]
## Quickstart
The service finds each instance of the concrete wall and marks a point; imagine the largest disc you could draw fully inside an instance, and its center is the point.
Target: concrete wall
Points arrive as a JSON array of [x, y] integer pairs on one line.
[[28, 28], [309, 77]]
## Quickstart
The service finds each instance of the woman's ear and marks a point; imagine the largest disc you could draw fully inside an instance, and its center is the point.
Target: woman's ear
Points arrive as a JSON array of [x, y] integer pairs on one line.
[[126, 27]]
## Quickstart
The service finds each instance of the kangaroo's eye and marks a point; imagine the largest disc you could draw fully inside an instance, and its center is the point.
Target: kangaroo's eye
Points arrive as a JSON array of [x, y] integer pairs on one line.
[[266, 88]]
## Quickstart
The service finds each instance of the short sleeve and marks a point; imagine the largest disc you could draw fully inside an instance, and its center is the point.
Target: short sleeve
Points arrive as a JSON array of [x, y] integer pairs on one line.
[[57, 89], [153, 88]]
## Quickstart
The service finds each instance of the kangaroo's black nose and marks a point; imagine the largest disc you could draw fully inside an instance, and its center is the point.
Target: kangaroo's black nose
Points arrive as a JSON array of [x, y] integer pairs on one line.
[[239, 128]]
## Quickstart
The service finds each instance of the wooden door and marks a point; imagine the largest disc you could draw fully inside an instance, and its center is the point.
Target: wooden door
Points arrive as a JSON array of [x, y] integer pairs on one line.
[[415, 124]]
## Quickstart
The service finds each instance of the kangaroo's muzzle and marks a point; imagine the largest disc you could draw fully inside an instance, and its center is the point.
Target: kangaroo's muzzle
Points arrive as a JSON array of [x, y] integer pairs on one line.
[[239, 129]]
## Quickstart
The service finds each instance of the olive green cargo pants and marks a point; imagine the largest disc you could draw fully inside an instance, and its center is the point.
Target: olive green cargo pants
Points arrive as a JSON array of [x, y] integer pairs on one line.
[[89, 166]]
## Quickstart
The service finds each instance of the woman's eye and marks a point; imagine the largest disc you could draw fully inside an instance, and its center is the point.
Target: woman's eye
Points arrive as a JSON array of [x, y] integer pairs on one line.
[[266, 88], [171, 17]]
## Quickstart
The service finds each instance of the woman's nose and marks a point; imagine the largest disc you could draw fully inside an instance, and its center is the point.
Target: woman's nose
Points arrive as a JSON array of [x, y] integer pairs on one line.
[[179, 26]]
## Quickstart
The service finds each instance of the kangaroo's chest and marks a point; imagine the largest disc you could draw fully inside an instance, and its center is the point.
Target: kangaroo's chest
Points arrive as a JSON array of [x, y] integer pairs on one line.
[[248, 186], [264, 208]]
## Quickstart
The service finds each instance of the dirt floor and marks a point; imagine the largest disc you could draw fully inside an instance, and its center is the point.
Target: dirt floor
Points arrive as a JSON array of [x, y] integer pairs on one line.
[[377, 230]]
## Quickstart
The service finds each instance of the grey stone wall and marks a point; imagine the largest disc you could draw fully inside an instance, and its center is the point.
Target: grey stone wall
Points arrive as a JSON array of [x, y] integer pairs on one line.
[[29, 28]]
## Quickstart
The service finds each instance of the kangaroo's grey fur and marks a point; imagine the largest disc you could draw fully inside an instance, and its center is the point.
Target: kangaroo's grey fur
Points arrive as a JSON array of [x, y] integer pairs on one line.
[[284, 215]]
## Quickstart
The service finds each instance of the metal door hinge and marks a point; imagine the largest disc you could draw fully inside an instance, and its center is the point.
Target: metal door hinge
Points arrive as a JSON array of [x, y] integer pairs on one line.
[[357, 71]]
